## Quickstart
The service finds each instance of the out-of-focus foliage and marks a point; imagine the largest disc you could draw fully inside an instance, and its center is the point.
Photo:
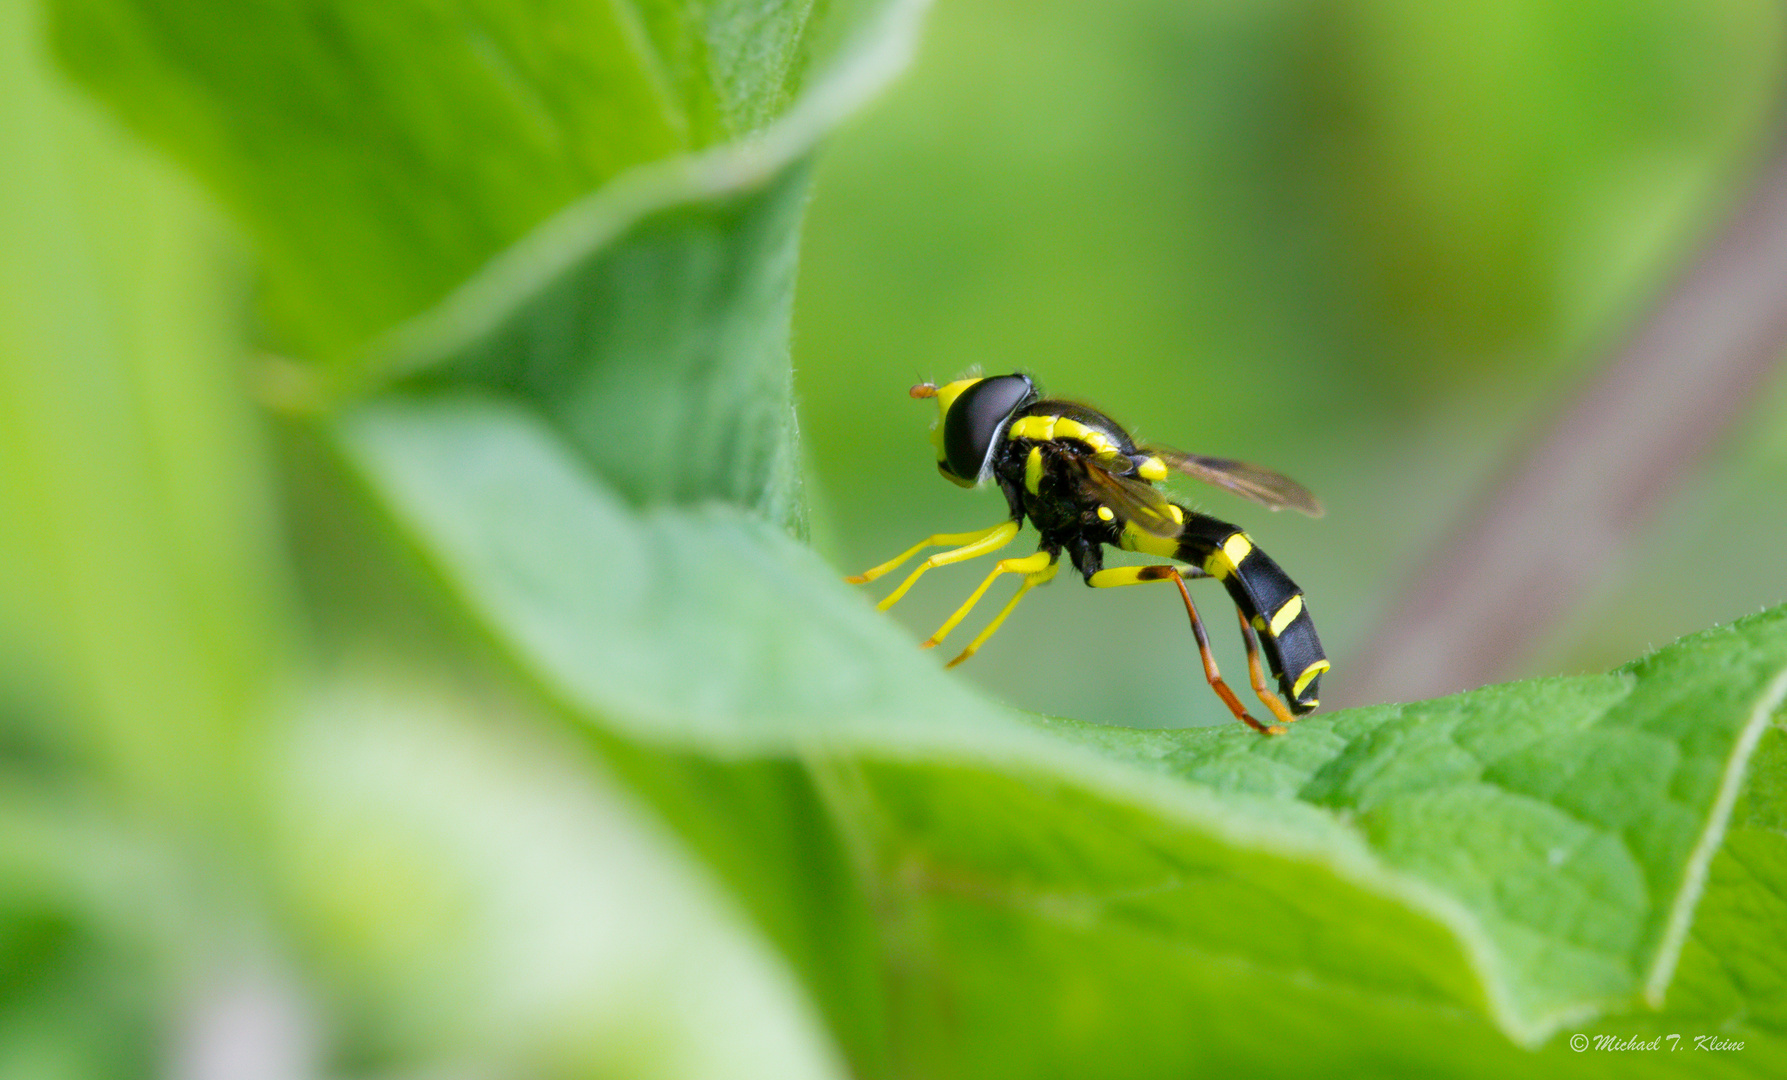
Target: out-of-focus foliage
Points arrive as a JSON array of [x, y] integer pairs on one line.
[[259, 795], [481, 712], [382, 153]]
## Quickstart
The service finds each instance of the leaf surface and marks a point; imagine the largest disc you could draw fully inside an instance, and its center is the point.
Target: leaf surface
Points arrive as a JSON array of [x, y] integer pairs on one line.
[[1529, 853]]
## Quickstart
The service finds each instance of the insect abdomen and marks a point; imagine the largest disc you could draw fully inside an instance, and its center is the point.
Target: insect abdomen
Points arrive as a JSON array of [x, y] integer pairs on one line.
[[1268, 599]]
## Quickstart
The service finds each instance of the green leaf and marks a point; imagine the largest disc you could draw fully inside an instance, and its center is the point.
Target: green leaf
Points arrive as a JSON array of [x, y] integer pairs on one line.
[[1730, 978], [1576, 817], [476, 891], [1529, 853], [381, 154], [139, 598], [704, 380], [141, 615], [373, 181]]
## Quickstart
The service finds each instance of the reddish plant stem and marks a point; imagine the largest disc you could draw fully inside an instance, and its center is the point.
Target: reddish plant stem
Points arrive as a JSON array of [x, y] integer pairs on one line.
[[1577, 495]]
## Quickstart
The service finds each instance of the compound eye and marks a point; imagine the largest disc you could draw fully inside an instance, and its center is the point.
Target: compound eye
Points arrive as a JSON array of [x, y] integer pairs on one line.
[[975, 418]]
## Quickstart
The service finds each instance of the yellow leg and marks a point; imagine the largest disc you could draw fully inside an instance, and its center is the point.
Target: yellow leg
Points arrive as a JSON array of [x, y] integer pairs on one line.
[[940, 540], [989, 541], [1138, 575], [1132, 575], [1258, 676], [1037, 569], [1029, 564]]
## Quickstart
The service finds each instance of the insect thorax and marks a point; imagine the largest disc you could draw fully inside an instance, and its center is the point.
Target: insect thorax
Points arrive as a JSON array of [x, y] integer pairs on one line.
[[1043, 480]]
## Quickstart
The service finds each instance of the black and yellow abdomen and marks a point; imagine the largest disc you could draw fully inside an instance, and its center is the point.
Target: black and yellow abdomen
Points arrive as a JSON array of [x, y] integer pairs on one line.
[[1267, 597]]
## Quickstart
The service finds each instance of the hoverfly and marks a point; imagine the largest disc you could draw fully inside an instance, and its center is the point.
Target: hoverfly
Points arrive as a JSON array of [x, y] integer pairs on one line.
[[1077, 476]]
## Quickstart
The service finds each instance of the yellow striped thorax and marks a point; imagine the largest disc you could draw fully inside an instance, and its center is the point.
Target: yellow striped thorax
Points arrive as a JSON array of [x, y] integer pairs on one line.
[[1105, 445], [1044, 428], [1033, 471]]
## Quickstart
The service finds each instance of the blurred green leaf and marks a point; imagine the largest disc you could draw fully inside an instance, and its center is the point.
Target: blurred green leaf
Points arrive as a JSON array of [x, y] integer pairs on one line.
[[78, 989], [475, 891], [678, 405], [373, 176], [141, 624], [141, 602], [381, 154]]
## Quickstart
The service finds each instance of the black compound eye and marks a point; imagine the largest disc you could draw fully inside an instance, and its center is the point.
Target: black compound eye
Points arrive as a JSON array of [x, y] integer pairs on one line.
[[975, 418]]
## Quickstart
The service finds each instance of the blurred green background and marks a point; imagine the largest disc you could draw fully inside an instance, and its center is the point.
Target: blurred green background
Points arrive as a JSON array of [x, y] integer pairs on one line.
[[1370, 245]]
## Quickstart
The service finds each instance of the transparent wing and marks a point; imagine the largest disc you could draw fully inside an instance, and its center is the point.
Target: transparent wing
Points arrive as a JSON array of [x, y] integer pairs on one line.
[[1272, 490], [1132, 500]]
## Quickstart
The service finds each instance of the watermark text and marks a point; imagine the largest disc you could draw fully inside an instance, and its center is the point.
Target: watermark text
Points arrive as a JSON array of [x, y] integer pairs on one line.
[[1581, 1042]]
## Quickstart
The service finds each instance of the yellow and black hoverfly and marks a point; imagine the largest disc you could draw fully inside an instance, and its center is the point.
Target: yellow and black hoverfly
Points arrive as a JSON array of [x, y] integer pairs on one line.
[[1084, 483]]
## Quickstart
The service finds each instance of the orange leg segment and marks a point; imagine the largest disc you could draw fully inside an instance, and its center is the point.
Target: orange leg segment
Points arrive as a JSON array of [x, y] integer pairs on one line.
[[1258, 676], [1136, 575]]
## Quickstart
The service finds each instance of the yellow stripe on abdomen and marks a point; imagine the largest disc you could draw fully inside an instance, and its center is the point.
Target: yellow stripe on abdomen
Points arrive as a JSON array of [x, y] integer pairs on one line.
[[1134, 539], [1286, 613], [1309, 674], [1223, 561]]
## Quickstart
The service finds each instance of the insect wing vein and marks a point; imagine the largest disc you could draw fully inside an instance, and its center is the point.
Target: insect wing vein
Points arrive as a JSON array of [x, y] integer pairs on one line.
[[1270, 489]]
